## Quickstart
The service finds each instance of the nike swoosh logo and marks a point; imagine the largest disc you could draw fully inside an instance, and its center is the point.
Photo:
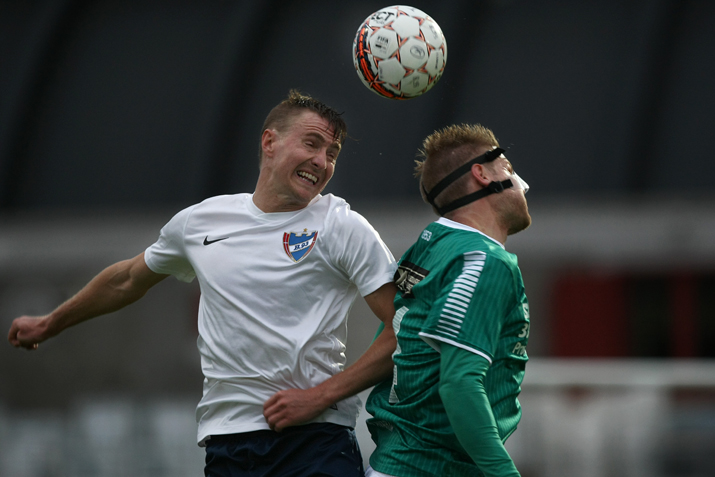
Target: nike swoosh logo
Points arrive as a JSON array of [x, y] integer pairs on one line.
[[209, 242]]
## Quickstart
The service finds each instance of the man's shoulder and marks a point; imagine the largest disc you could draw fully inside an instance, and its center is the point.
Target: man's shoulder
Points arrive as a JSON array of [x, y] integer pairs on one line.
[[338, 211], [330, 202], [461, 244], [211, 206], [225, 200]]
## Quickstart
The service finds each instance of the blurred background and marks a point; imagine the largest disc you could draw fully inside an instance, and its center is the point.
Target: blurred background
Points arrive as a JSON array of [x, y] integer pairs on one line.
[[116, 114]]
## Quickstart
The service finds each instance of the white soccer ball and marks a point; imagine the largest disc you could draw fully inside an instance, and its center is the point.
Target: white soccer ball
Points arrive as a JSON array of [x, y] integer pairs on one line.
[[399, 52]]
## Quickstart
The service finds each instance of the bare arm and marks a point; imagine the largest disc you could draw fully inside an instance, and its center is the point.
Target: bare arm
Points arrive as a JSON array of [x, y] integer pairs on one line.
[[295, 406], [114, 288]]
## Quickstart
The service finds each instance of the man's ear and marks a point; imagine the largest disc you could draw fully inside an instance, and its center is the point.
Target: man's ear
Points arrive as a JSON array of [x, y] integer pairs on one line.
[[481, 175], [268, 142]]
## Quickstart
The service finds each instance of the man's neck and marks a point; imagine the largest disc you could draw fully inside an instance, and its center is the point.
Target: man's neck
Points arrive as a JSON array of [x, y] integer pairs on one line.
[[272, 204], [481, 219]]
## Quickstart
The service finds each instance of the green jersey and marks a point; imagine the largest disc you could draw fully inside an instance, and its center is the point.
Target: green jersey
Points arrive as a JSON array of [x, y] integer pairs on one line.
[[457, 287]]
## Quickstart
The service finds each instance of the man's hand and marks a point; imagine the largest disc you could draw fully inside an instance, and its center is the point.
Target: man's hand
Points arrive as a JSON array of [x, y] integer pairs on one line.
[[28, 332], [292, 407]]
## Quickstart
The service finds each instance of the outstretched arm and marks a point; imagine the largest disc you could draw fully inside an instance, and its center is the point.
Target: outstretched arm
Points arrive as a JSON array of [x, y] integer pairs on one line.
[[114, 288], [295, 406]]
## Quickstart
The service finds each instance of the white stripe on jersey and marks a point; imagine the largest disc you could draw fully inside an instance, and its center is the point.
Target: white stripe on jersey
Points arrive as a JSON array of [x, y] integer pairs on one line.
[[455, 308]]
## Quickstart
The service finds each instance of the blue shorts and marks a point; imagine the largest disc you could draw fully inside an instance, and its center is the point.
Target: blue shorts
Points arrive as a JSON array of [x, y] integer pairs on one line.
[[317, 449]]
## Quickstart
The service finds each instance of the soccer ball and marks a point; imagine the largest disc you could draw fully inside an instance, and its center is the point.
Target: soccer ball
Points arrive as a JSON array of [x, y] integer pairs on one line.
[[399, 52]]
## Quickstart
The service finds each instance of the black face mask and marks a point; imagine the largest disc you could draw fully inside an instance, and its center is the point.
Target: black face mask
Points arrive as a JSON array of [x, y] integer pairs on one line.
[[492, 188]]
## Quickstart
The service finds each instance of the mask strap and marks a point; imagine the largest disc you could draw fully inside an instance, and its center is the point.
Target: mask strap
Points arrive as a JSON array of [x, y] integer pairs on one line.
[[492, 188], [459, 172]]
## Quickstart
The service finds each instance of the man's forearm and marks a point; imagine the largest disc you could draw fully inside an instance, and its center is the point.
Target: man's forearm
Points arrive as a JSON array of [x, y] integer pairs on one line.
[[291, 407], [112, 289], [469, 411], [103, 294], [374, 366]]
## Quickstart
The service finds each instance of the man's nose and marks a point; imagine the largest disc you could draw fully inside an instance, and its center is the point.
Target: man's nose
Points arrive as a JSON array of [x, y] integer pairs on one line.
[[320, 159]]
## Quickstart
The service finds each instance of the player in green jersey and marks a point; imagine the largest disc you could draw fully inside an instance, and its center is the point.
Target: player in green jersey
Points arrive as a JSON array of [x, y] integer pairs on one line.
[[462, 320]]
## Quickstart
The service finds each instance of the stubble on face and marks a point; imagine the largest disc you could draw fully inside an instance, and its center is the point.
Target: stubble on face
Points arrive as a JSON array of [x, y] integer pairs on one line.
[[513, 212]]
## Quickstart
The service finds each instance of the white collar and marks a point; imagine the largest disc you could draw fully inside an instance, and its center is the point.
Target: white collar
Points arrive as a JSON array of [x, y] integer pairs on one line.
[[458, 225]]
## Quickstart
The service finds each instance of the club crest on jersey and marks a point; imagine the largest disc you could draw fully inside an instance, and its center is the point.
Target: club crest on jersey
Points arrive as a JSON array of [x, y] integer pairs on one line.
[[299, 245]]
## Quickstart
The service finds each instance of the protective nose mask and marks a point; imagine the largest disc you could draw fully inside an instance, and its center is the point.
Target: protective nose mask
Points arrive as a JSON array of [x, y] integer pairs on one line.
[[519, 183]]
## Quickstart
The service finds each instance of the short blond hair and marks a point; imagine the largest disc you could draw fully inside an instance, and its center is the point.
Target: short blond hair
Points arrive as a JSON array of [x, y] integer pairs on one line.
[[444, 151]]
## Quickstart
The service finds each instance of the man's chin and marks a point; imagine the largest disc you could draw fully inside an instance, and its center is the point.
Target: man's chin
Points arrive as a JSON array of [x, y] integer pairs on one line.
[[519, 224]]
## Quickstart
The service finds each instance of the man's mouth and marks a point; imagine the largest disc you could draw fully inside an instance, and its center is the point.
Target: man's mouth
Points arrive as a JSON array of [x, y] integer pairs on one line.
[[307, 176]]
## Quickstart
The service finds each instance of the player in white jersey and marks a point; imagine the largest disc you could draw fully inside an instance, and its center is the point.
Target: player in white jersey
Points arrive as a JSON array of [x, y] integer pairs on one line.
[[279, 270]]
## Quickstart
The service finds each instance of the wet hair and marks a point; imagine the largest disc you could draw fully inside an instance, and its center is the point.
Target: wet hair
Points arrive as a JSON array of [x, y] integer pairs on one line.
[[444, 151], [281, 117]]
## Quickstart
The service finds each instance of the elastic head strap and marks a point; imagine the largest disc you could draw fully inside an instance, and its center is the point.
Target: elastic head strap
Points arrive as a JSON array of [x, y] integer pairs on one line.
[[493, 188], [459, 172]]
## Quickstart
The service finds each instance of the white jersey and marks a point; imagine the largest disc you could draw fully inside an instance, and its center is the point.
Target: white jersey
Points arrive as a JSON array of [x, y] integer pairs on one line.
[[276, 289]]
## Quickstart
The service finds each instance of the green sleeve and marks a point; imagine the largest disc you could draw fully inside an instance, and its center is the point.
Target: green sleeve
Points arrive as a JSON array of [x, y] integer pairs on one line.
[[462, 391]]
